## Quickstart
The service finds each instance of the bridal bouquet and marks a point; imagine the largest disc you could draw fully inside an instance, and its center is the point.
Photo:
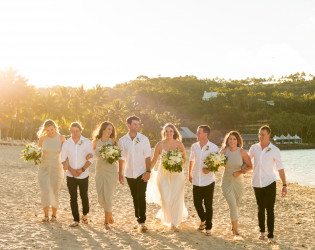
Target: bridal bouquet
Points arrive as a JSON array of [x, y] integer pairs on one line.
[[214, 161], [32, 153], [110, 153], [173, 160]]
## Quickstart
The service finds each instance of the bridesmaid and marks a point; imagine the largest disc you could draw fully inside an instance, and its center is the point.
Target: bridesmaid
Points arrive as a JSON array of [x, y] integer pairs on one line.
[[106, 174], [50, 175], [232, 180]]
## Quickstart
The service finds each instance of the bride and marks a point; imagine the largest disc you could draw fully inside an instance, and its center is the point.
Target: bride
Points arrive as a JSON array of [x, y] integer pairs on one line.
[[167, 188]]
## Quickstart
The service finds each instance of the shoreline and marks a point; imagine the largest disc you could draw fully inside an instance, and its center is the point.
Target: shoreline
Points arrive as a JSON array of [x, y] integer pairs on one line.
[[295, 146], [21, 213]]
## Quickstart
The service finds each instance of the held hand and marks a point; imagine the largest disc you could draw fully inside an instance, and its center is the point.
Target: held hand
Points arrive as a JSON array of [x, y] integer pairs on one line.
[[190, 178], [244, 169], [73, 172], [284, 191], [205, 171], [79, 172], [146, 176], [121, 179], [237, 173], [66, 165], [88, 156]]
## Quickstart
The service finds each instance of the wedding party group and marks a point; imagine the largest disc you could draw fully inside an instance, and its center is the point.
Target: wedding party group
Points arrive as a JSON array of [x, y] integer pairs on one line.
[[129, 160]]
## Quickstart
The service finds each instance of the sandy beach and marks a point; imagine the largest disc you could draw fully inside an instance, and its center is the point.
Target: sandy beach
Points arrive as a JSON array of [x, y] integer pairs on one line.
[[21, 214]]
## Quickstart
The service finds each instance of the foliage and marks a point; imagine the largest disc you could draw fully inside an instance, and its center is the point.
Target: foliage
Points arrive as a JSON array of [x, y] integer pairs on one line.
[[288, 106]]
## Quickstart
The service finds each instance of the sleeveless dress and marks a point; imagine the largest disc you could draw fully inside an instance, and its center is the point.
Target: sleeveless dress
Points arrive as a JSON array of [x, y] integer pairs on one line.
[[167, 189], [50, 174], [232, 187], [106, 176]]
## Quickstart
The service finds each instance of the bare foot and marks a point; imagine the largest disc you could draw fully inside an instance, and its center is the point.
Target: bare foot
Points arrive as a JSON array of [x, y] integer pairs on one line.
[[111, 219], [53, 218], [107, 227], [237, 237], [45, 219], [175, 229]]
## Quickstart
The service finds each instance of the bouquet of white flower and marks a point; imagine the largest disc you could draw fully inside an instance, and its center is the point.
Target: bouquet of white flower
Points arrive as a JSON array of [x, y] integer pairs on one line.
[[214, 161], [110, 153], [173, 160], [32, 153]]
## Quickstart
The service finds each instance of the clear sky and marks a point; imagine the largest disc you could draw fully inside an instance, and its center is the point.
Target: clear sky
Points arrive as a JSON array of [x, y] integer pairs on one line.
[[78, 42]]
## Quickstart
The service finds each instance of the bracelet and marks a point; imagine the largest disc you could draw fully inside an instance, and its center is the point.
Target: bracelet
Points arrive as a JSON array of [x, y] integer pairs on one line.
[[82, 169], [285, 185], [148, 171]]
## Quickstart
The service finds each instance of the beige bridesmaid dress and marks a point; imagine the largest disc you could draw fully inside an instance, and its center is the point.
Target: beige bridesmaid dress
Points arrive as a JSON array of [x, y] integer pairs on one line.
[[106, 176], [50, 174], [232, 187]]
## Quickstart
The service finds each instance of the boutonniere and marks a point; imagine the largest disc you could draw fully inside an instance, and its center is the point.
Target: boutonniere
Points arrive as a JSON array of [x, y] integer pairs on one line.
[[80, 142], [268, 149], [207, 148], [137, 140]]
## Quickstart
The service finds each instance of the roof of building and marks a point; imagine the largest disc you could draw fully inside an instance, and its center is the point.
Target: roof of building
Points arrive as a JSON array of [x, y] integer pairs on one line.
[[186, 133], [208, 95], [288, 137]]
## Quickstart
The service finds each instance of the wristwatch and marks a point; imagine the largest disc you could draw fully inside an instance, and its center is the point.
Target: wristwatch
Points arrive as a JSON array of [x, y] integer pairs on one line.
[[285, 185], [82, 169], [148, 171]]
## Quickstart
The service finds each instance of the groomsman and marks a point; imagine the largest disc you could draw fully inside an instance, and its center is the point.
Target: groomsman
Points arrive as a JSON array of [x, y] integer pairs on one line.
[[136, 163], [73, 157], [202, 179], [266, 158]]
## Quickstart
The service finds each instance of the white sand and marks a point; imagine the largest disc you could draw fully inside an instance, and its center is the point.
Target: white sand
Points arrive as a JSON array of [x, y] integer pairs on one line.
[[21, 214]]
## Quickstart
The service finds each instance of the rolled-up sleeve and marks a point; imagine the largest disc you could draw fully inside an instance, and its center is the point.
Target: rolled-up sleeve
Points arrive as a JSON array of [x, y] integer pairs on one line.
[[192, 156], [64, 152], [123, 152], [277, 159], [147, 148], [251, 153], [91, 151]]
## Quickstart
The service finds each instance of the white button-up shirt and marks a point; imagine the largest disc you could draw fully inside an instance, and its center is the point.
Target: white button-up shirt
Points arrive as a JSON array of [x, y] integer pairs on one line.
[[265, 161], [134, 152], [76, 154], [198, 156]]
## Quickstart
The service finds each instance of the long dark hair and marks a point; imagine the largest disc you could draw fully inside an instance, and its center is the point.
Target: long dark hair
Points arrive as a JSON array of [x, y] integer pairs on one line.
[[177, 136], [97, 134], [239, 139]]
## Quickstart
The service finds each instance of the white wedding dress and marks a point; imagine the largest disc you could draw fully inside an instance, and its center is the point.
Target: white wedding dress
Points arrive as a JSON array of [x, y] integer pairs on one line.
[[167, 189]]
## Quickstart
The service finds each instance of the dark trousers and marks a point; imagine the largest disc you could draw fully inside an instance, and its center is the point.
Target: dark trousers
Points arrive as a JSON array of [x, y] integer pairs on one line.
[[83, 184], [204, 194], [138, 188], [266, 198]]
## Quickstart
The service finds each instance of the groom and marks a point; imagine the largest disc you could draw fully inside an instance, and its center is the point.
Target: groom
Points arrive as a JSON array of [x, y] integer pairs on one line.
[[136, 162], [202, 179]]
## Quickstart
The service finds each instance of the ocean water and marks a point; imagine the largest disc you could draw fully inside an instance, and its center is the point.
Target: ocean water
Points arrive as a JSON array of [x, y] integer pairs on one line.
[[299, 166]]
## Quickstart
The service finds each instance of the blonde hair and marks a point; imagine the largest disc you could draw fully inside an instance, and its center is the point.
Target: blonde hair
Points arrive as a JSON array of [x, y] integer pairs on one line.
[[177, 136], [42, 130], [239, 139]]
